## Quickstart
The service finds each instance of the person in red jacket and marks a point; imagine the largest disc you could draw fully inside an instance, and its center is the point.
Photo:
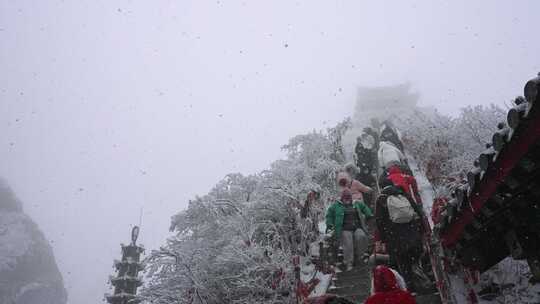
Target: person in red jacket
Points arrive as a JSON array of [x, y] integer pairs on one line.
[[386, 289], [405, 182]]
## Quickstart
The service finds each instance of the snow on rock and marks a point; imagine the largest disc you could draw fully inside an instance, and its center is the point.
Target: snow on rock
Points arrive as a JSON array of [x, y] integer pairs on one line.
[[458, 289], [15, 240], [511, 279], [28, 271]]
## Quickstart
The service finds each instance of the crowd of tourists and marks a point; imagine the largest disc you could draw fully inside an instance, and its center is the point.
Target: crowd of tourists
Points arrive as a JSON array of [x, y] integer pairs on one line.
[[378, 217]]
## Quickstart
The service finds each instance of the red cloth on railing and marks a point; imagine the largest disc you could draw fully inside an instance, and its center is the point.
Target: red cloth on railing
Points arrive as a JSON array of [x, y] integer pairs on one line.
[[437, 208], [304, 289]]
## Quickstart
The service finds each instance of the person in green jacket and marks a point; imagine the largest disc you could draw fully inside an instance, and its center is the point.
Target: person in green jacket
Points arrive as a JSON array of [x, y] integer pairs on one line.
[[348, 221]]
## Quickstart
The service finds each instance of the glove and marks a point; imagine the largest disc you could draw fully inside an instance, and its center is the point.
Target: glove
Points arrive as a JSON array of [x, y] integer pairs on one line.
[[329, 231]]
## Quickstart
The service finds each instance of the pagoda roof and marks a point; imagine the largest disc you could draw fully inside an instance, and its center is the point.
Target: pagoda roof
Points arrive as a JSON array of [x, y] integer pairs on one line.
[[119, 297], [118, 263], [115, 280]]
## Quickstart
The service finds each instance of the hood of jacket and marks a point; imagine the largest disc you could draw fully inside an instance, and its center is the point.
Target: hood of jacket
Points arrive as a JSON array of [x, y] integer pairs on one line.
[[394, 170], [391, 190], [384, 280], [343, 175]]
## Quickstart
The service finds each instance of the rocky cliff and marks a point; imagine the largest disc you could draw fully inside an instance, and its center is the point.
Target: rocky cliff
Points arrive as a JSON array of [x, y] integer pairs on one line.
[[28, 270]]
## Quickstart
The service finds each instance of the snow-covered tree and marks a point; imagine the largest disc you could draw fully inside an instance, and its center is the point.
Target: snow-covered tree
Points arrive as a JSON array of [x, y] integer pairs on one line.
[[235, 244], [445, 146]]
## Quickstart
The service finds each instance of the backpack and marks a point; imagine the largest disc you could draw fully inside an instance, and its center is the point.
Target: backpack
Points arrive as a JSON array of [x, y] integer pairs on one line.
[[400, 209]]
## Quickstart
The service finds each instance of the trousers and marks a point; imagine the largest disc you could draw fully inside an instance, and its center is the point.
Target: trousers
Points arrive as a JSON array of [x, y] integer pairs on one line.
[[354, 243]]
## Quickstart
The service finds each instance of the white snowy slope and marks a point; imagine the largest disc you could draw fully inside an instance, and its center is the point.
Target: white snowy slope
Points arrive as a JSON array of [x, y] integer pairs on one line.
[[28, 271]]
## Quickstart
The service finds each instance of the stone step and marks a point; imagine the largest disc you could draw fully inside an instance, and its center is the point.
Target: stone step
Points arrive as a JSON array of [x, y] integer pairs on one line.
[[356, 280], [354, 285], [348, 289], [357, 298], [362, 291], [354, 295], [358, 283], [362, 276], [433, 298], [353, 275], [353, 281]]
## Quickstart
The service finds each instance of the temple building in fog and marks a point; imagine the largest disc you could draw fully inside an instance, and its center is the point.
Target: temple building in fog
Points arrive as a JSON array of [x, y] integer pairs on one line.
[[383, 102]]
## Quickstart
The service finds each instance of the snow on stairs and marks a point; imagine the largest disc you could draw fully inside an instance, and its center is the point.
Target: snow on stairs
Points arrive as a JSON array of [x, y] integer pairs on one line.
[[354, 285]]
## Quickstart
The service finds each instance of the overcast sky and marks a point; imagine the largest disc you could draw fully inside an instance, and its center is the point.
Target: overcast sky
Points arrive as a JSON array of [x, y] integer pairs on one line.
[[107, 107]]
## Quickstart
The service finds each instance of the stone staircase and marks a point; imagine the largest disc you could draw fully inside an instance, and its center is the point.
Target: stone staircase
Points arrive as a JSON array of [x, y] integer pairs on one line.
[[353, 285]]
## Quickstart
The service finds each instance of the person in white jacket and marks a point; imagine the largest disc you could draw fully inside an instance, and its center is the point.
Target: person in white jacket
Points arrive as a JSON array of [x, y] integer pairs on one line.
[[390, 155]]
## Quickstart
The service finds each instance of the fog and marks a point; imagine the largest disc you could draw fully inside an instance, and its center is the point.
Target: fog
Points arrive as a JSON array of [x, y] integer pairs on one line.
[[115, 109]]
